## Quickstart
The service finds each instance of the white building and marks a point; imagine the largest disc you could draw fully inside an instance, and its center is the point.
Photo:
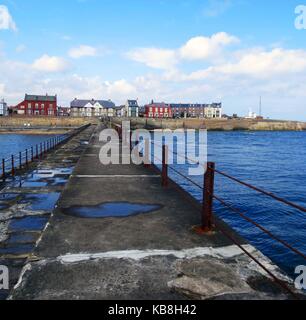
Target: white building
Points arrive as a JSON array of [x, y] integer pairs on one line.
[[251, 115], [213, 110], [92, 108], [3, 108], [132, 109]]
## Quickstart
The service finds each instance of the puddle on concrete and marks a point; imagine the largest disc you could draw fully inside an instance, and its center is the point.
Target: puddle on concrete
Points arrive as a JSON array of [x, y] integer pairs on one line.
[[116, 209], [4, 206], [44, 178], [22, 238], [28, 224], [31, 184], [8, 196], [41, 202], [18, 249]]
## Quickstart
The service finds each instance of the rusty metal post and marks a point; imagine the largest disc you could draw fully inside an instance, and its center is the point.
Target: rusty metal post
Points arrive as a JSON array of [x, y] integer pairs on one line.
[[3, 169], [208, 196], [20, 161], [27, 158], [13, 166], [131, 144], [165, 167], [147, 154]]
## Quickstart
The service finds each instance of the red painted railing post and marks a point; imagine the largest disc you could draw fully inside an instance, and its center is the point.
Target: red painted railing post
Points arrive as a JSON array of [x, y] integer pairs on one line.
[[165, 167], [208, 196]]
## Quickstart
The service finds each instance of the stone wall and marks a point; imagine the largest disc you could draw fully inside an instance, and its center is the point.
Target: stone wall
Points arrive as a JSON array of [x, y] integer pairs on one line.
[[44, 122], [217, 124]]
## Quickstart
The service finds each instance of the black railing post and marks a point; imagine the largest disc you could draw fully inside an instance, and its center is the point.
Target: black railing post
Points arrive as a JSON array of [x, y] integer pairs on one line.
[[32, 154], [208, 197], [37, 151], [13, 166], [3, 169], [165, 167], [27, 158], [20, 160]]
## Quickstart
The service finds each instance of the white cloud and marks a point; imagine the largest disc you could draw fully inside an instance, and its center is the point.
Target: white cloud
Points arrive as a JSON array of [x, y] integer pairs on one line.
[[120, 87], [154, 57], [48, 63], [260, 64], [200, 48], [82, 51], [197, 48], [21, 48], [6, 20], [215, 8]]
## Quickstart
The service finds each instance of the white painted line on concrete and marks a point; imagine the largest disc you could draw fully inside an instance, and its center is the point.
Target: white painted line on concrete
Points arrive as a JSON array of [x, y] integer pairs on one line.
[[222, 252], [228, 252], [117, 176]]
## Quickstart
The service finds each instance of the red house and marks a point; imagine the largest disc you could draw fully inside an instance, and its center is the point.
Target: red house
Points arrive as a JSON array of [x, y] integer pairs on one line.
[[38, 106], [157, 110]]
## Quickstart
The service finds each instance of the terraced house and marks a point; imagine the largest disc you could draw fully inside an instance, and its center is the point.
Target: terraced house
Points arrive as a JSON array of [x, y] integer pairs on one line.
[[38, 105], [196, 110], [92, 108]]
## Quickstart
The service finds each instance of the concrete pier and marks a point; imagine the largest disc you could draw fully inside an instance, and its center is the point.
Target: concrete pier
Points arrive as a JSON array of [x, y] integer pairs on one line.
[[28, 200], [117, 234]]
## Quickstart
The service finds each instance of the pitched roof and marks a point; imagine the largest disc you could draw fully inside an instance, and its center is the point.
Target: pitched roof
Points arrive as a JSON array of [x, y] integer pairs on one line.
[[76, 103], [133, 102], [29, 97]]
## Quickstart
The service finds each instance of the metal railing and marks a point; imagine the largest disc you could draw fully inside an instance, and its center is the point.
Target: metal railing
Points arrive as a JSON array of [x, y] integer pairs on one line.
[[207, 218], [22, 160]]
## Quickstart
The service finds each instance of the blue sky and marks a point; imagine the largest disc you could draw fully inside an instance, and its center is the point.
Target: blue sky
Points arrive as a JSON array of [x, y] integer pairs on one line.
[[172, 50]]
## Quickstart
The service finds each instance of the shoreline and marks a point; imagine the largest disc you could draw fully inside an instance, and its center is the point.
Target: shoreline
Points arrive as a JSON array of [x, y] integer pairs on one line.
[[35, 131], [222, 125]]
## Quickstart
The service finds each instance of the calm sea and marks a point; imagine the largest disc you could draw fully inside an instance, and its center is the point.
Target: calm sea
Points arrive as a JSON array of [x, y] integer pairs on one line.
[[14, 143], [274, 161]]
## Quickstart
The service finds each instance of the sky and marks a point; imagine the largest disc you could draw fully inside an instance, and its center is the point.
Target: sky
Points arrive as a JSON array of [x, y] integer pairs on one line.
[[199, 51]]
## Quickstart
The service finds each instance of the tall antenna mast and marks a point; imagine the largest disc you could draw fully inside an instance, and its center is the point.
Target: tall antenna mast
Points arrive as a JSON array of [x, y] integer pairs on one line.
[[260, 107]]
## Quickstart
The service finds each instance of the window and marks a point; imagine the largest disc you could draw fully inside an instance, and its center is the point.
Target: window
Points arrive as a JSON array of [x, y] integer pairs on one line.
[[29, 105], [36, 105]]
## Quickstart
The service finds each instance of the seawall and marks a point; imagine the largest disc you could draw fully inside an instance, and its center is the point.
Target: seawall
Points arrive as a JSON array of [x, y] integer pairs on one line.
[[216, 124], [41, 125]]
